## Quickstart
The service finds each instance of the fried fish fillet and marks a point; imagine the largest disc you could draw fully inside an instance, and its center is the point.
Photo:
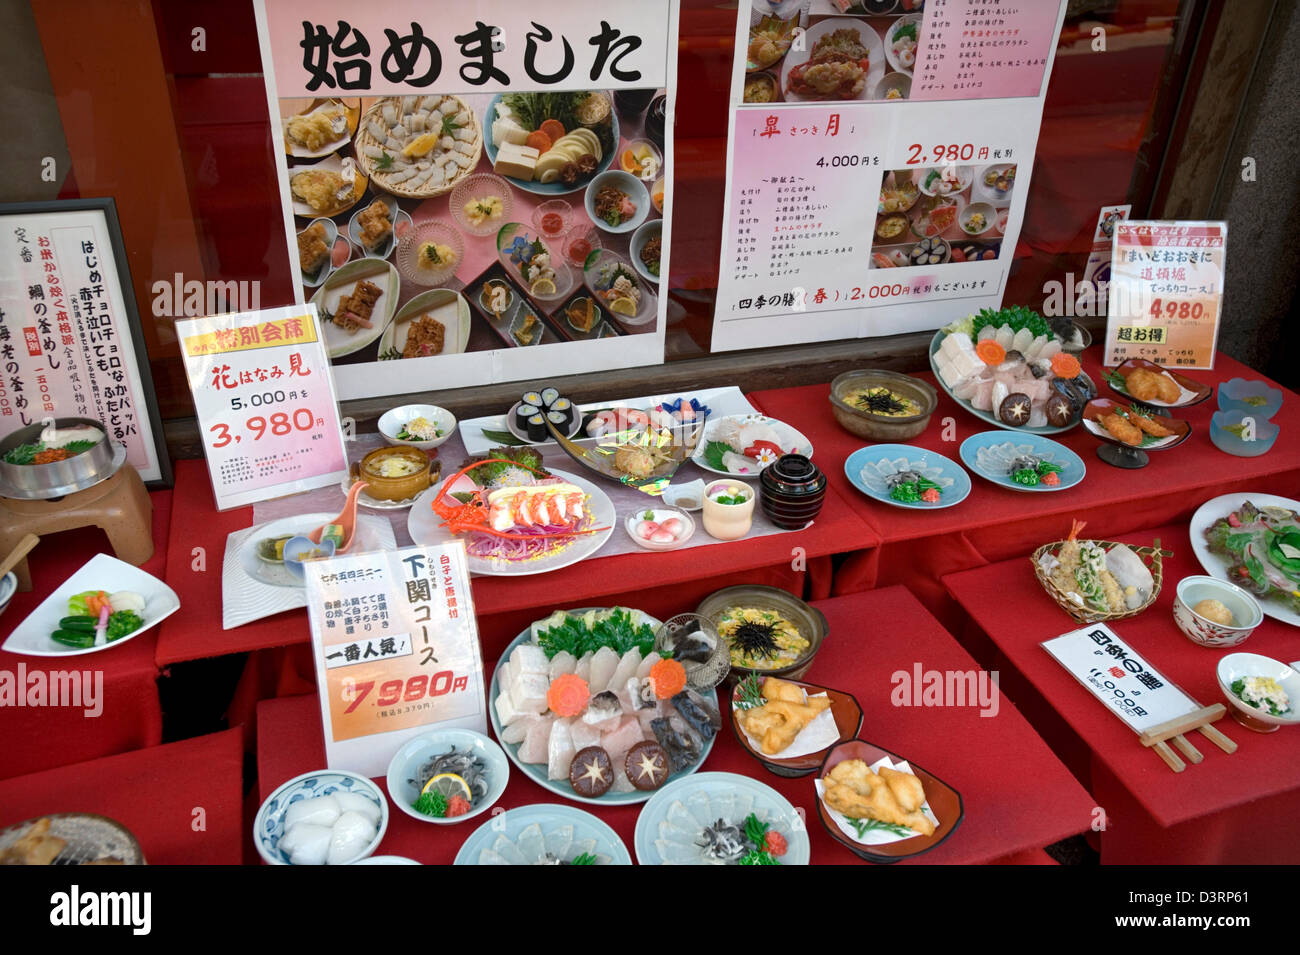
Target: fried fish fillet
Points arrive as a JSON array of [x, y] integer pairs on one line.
[[853, 789]]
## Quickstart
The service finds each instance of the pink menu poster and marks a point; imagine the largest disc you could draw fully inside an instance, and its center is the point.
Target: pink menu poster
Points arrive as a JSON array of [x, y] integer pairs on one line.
[[873, 187]]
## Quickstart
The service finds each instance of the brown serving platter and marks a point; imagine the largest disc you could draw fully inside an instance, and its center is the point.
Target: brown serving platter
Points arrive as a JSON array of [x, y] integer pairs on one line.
[[944, 801], [848, 719], [1116, 452], [1118, 381], [521, 302]]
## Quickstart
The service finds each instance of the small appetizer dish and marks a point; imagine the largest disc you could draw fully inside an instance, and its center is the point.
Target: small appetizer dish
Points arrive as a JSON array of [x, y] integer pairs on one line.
[[660, 528], [1264, 693], [1215, 613], [1127, 432], [882, 405], [323, 128], [892, 225], [531, 258], [421, 426], [657, 195], [315, 251], [296, 551], [1152, 384], [327, 817], [743, 445], [379, 228], [646, 251], [1249, 397], [447, 775], [579, 244], [688, 496], [761, 87], [396, 473], [729, 509], [767, 630], [893, 86], [977, 218], [430, 254], [789, 726], [620, 289], [642, 159], [617, 201], [1243, 433], [553, 218], [481, 204]]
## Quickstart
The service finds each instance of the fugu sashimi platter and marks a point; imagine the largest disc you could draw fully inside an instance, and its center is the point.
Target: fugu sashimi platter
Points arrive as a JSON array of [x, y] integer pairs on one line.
[[586, 706], [1009, 368]]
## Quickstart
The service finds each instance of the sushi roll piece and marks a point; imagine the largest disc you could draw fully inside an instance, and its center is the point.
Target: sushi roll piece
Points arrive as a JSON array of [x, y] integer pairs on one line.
[[564, 407], [559, 421], [533, 398], [536, 428], [549, 397], [523, 413]]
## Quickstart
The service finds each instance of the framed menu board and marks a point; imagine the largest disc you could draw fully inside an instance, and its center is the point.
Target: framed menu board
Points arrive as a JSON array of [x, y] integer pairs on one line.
[[70, 339]]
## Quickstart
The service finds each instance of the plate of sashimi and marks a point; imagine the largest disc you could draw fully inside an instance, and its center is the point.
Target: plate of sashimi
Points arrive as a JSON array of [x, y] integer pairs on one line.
[[1009, 368], [544, 834], [743, 445], [587, 708]]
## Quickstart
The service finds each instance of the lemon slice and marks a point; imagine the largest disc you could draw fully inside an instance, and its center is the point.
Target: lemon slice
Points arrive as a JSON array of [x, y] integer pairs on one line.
[[623, 306], [543, 287], [449, 784]]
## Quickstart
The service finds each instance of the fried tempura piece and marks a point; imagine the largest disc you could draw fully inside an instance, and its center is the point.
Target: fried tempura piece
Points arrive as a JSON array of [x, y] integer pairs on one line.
[[1122, 429], [35, 847], [907, 789], [1147, 385], [774, 689], [776, 723], [1151, 425], [853, 789]]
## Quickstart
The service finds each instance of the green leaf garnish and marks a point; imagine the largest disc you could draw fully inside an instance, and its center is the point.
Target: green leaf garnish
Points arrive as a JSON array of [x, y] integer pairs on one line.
[[863, 826]]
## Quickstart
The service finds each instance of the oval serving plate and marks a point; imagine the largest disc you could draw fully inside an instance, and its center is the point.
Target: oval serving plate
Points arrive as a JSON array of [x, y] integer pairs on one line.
[[550, 818], [792, 442], [919, 459], [984, 453]]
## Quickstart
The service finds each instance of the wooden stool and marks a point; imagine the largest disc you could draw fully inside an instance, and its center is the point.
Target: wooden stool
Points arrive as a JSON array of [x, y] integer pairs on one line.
[[119, 505]]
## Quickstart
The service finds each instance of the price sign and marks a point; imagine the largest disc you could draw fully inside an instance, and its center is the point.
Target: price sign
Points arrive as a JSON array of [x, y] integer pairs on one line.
[[265, 402], [1166, 292], [396, 649]]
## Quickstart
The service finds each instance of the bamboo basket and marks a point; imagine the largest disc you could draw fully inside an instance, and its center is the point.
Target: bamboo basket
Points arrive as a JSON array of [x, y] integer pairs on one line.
[[380, 179], [1151, 556]]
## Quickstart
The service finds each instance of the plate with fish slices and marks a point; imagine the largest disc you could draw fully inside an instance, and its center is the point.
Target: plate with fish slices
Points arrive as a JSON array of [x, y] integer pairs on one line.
[[1021, 461], [907, 476], [1282, 514], [543, 834], [367, 289], [426, 527], [743, 445], [661, 739], [418, 146], [718, 819]]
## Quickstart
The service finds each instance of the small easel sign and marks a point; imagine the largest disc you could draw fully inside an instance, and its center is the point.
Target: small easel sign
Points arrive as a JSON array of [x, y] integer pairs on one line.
[[1156, 709]]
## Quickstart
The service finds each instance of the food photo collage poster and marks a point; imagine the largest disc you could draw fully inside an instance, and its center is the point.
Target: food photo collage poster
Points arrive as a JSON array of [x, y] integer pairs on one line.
[[480, 195], [932, 105]]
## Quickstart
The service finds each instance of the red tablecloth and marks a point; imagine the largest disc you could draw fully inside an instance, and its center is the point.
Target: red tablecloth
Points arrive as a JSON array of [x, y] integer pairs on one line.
[[37, 738], [183, 802], [1242, 808], [1017, 796], [996, 523]]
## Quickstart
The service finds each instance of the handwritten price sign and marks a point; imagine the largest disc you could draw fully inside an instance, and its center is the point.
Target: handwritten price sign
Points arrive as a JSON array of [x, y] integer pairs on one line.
[[265, 401]]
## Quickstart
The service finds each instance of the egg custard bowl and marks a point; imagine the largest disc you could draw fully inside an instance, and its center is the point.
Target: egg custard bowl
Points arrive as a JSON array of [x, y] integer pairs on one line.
[[396, 474]]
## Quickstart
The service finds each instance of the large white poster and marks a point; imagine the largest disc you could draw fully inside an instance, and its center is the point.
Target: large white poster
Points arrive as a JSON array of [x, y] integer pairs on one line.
[[878, 165], [475, 192]]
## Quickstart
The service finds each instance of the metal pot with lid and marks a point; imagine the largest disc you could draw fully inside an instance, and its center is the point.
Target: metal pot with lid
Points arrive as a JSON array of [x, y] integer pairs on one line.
[[32, 481]]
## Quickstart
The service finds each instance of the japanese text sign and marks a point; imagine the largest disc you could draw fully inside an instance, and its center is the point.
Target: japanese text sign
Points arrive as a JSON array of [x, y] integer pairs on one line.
[[1166, 292], [265, 402], [396, 649], [1128, 685]]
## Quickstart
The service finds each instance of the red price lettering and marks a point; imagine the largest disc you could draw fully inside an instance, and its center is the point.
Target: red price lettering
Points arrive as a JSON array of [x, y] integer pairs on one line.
[[1172, 309], [223, 435], [915, 157], [415, 687], [389, 693], [359, 693]]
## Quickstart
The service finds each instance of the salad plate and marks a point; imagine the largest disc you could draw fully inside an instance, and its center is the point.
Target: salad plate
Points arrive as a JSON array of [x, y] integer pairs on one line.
[[1216, 565]]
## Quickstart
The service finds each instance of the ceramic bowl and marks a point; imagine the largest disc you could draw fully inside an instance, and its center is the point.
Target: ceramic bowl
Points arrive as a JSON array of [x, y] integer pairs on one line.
[[792, 491], [1245, 611], [875, 427], [626, 183], [268, 825], [688, 497], [8, 587], [845, 710], [1239, 666], [415, 753], [660, 514], [1232, 435], [729, 522], [808, 620], [401, 487], [391, 422], [649, 230], [297, 550], [1249, 397]]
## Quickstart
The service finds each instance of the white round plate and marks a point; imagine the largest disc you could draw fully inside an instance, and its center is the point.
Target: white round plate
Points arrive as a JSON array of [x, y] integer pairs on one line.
[[331, 163], [277, 575], [1214, 565], [456, 339], [870, 39], [792, 442], [549, 817], [341, 284], [425, 527], [729, 794], [886, 45], [514, 428]]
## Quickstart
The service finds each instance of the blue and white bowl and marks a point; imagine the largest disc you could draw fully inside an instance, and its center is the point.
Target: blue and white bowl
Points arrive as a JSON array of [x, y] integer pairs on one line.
[[8, 587], [268, 826], [414, 753], [1236, 394], [1227, 436]]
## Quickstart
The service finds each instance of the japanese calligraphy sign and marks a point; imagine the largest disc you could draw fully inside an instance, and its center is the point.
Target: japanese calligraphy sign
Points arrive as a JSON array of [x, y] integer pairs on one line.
[[70, 337], [938, 115], [265, 403], [391, 117], [1166, 292], [396, 648], [1129, 686]]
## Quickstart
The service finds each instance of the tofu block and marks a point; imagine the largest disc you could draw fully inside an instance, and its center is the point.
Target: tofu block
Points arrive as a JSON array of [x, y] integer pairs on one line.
[[528, 658], [507, 712], [528, 693], [518, 162]]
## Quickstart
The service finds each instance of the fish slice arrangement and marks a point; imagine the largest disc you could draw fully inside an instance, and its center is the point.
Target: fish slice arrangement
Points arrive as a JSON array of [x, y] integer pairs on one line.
[[419, 146]]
